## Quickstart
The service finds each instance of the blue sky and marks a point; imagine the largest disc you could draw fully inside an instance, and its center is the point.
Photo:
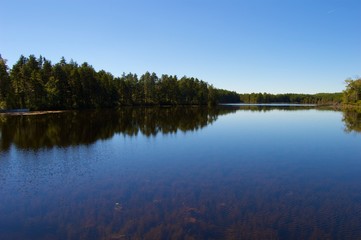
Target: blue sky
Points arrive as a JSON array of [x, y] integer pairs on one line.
[[274, 46]]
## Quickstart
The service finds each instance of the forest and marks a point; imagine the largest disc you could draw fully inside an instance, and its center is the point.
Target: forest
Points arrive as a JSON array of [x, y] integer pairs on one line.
[[319, 98], [37, 84]]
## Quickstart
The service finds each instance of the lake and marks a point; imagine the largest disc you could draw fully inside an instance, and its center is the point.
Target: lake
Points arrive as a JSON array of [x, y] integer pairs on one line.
[[231, 172]]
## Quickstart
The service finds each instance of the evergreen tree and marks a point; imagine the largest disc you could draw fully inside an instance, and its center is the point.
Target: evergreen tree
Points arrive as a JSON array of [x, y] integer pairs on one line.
[[5, 89], [18, 83]]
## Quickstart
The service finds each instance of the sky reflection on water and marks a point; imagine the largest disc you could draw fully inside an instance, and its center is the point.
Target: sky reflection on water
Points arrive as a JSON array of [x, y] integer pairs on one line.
[[224, 174]]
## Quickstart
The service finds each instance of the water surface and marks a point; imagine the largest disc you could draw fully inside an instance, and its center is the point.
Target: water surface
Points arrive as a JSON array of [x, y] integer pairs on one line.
[[233, 172]]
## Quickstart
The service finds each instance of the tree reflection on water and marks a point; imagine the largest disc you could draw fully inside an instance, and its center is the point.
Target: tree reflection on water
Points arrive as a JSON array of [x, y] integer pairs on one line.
[[85, 127], [72, 128], [352, 120]]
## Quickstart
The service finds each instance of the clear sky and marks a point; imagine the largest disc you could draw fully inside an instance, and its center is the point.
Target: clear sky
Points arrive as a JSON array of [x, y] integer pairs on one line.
[[274, 46]]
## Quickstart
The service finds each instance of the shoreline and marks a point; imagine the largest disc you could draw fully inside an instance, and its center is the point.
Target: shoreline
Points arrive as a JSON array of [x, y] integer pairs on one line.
[[321, 106]]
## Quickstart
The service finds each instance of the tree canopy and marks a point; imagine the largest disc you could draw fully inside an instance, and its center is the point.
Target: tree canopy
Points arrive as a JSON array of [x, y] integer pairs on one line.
[[36, 83], [352, 93]]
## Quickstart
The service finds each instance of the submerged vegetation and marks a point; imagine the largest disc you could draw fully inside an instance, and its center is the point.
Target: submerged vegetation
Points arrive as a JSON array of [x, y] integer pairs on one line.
[[149, 189]]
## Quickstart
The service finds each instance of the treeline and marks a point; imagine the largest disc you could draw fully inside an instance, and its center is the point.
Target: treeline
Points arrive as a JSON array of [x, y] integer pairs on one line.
[[319, 98], [36, 83]]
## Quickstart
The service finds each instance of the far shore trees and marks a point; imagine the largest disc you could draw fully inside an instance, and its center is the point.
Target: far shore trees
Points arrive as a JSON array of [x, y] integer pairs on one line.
[[318, 98], [37, 84]]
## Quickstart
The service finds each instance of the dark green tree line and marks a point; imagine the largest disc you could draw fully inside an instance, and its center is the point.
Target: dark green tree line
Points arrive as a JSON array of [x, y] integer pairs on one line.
[[319, 98], [4, 83], [36, 83]]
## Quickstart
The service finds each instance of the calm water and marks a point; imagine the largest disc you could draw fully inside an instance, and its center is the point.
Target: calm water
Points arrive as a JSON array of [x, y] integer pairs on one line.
[[241, 172]]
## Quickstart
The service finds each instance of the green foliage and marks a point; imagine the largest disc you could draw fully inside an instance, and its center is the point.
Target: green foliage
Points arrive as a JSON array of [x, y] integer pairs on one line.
[[5, 94], [352, 93], [225, 96], [319, 98], [37, 84]]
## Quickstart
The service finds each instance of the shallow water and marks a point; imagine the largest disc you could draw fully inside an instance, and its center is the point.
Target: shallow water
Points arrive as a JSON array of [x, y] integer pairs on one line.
[[233, 172]]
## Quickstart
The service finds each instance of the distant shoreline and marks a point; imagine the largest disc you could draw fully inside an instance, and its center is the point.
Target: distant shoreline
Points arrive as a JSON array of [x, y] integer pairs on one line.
[[271, 104], [27, 112]]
